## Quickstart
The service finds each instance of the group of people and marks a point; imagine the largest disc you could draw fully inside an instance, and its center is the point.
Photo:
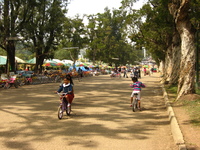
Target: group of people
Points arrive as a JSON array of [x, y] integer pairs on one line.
[[135, 72], [67, 87]]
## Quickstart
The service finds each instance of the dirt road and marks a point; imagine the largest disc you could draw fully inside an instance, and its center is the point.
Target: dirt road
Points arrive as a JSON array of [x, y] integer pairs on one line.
[[101, 117]]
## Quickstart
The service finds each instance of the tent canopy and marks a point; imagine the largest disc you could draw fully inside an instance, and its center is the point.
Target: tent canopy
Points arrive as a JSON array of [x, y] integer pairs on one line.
[[32, 61], [3, 60]]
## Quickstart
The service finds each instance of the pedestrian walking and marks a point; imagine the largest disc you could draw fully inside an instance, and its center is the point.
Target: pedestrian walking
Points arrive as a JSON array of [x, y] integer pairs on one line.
[[125, 73]]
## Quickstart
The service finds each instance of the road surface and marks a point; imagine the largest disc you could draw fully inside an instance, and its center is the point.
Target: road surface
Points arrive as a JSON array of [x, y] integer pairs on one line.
[[101, 117]]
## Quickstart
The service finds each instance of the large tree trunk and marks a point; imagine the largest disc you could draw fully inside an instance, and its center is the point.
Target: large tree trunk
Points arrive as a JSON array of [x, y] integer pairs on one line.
[[175, 59], [179, 10], [171, 65], [11, 56], [161, 68], [39, 61]]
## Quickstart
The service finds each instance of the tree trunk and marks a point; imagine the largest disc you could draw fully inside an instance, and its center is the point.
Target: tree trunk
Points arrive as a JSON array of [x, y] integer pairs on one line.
[[161, 68], [171, 65], [187, 70], [185, 29], [175, 59], [11, 55], [39, 61]]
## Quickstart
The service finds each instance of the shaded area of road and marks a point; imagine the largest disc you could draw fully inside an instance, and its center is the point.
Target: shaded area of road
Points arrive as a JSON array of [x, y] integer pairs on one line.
[[101, 117]]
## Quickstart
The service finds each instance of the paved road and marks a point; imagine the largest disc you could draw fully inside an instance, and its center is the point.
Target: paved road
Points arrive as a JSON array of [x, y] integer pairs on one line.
[[101, 118]]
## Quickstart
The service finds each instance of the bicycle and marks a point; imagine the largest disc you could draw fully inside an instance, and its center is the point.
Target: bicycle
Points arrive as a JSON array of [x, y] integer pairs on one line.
[[135, 104], [28, 80], [11, 82], [63, 106]]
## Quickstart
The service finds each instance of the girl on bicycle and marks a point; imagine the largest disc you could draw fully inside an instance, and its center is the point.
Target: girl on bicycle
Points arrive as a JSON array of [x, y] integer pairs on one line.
[[137, 87], [67, 87]]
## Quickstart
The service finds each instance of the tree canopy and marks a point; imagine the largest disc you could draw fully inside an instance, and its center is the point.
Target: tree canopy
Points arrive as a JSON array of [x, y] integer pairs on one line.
[[166, 29]]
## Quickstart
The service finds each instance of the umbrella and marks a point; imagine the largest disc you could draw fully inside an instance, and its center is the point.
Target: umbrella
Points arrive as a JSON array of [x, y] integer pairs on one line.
[[49, 64], [146, 66], [59, 64]]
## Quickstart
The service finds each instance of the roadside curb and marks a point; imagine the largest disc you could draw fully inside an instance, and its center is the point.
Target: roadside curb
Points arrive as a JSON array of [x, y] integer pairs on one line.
[[175, 129]]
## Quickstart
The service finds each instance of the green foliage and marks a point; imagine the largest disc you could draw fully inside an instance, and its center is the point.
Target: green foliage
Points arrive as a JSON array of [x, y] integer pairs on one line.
[[194, 13], [74, 38], [2, 52], [62, 54], [155, 33], [44, 29], [107, 38], [198, 91]]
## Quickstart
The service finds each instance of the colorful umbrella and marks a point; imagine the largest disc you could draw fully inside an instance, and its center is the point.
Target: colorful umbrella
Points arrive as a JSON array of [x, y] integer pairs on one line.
[[49, 64], [146, 66], [59, 64]]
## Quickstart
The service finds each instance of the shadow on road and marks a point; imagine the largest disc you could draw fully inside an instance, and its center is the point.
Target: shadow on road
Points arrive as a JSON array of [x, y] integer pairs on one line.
[[100, 109]]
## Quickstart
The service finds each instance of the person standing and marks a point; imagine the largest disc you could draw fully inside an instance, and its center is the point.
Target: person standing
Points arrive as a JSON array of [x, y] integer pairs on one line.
[[145, 71], [125, 73], [80, 73], [139, 73]]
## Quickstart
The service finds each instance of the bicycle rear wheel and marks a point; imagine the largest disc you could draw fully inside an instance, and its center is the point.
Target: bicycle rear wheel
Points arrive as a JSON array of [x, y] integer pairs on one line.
[[134, 105], [60, 112]]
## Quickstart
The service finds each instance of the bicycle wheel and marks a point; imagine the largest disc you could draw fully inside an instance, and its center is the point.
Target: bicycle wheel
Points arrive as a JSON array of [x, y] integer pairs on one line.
[[60, 112], [16, 84], [68, 110], [7, 86], [134, 105]]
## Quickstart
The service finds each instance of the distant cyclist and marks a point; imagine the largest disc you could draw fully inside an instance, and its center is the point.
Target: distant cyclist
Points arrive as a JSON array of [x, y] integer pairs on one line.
[[137, 86]]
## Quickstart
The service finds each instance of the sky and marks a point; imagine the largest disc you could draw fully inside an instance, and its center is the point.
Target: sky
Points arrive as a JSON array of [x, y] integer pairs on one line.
[[88, 7]]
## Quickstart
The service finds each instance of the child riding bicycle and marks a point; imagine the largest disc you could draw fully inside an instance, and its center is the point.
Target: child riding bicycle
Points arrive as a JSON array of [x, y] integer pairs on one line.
[[137, 86], [67, 87]]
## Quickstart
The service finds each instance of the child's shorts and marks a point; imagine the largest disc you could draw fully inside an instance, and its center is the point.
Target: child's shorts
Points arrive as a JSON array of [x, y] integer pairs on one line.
[[138, 96], [71, 97]]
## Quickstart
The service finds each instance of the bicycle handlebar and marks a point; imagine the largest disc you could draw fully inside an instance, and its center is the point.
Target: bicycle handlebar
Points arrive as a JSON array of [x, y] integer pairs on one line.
[[60, 94]]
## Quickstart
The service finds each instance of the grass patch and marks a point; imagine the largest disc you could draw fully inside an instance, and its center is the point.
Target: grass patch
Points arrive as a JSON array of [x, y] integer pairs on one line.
[[172, 92], [190, 102], [193, 108], [198, 91], [172, 89]]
